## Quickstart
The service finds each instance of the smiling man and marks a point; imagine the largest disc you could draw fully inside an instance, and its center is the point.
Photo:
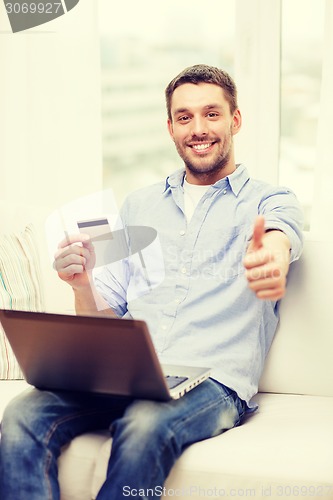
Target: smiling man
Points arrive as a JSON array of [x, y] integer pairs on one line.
[[227, 242], [202, 123]]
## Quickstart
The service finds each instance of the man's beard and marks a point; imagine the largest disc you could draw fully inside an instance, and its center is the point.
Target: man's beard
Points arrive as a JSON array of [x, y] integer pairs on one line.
[[212, 168], [202, 169]]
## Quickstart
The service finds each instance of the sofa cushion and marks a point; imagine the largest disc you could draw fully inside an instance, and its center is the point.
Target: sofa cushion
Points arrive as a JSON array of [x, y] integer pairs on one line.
[[77, 464], [8, 390], [283, 450], [20, 287], [300, 359]]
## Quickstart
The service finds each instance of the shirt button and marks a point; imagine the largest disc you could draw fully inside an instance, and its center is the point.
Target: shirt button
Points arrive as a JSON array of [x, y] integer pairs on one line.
[[183, 270], [225, 191], [182, 232], [164, 327]]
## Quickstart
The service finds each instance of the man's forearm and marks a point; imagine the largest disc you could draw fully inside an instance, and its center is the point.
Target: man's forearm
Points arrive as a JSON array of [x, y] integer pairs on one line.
[[88, 302]]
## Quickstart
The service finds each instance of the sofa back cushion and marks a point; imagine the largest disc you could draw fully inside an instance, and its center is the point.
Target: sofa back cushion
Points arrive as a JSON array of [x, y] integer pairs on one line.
[[300, 359], [20, 276]]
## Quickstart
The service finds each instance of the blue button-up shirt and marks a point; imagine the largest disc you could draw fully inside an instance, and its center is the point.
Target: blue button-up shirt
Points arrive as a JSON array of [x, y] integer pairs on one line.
[[189, 284]]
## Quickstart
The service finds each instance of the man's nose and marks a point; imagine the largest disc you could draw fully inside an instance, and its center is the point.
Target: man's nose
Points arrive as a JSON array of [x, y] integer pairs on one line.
[[199, 126]]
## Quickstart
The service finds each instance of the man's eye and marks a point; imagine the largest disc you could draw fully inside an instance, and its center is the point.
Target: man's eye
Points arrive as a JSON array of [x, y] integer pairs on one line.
[[183, 118], [212, 115]]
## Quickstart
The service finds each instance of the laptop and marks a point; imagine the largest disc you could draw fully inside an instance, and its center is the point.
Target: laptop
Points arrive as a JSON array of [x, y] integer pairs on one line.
[[94, 354]]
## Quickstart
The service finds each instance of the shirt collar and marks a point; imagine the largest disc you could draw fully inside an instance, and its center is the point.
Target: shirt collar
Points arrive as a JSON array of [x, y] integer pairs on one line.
[[174, 180], [236, 180]]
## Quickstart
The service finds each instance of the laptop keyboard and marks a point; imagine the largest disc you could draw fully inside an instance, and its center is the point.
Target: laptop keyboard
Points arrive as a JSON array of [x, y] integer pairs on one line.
[[172, 381]]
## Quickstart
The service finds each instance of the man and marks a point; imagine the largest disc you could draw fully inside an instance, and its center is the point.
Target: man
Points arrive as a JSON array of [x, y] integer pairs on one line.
[[227, 242]]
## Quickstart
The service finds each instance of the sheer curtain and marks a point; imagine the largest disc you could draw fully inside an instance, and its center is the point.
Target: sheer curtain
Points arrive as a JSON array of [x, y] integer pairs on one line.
[[322, 211], [257, 74]]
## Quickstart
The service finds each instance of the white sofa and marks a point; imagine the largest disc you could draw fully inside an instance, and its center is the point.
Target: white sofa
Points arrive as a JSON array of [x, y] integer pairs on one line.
[[284, 450]]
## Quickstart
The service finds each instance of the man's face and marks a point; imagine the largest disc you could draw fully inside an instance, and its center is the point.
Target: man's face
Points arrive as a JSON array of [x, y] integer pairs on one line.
[[202, 128]]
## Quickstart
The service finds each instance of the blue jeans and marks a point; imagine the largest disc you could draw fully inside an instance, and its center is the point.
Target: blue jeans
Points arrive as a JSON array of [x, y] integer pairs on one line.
[[148, 437]]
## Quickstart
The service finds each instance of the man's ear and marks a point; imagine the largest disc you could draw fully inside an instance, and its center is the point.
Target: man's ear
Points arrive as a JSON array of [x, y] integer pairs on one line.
[[170, 128], [236, 122]]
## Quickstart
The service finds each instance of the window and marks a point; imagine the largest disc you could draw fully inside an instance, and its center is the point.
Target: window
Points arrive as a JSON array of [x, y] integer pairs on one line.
[[143, 46], [276, 60]]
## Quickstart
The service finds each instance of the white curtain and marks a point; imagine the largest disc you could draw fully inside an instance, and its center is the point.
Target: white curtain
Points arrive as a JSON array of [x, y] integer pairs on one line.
[[257, 74], [322, 210]]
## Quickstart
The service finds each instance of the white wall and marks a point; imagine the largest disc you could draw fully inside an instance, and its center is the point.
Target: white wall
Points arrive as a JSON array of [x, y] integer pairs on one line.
[[50, 140]]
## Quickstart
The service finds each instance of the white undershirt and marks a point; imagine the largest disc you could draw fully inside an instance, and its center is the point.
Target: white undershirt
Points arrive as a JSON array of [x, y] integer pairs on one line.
[[192, 195]]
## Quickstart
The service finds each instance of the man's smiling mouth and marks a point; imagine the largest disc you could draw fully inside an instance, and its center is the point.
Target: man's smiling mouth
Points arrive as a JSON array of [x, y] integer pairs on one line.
[[202, 146]]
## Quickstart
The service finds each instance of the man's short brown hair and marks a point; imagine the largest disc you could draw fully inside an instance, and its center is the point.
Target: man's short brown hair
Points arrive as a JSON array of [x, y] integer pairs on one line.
[[201, 73]]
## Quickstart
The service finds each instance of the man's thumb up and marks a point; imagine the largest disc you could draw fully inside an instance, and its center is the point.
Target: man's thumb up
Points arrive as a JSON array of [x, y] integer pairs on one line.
[[258, 233]]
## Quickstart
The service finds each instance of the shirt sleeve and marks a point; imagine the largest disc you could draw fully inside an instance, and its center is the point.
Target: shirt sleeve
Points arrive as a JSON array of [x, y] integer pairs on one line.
[[111, 282], [282, 211]]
